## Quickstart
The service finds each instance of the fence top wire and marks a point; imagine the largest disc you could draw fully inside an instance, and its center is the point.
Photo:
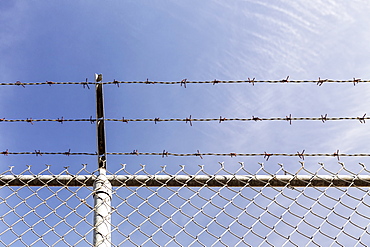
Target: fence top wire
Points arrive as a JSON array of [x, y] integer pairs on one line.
[[289, 118], [277, 175], [165, 153], [183, 82]]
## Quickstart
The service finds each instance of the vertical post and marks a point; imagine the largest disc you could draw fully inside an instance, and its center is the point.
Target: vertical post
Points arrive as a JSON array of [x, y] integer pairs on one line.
[[102, 186]]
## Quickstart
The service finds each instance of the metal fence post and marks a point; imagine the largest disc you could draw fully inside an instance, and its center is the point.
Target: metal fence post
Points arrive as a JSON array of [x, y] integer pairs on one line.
[[102, 186], [102, 210]]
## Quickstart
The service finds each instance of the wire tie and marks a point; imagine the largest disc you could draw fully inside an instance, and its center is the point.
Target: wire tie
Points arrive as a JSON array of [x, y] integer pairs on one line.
[[124, 120], [323, 118], [68, 153], [60, 120], [232, 154], [92, 120], [256, 118], [267, 156], [301, 155], [116, 82], [156, 120], [38, 153], [164, 153], [86, 84], [183, 82], [19, 84], [188, 120], [50, 82], [251, 81], [222, 119], [289, 119], [199, 154], [135, 152], [29, 120], [336, 154], [6, 152], [362, 119], [320, 82], [215, 81], [355, 81], [285, 80]]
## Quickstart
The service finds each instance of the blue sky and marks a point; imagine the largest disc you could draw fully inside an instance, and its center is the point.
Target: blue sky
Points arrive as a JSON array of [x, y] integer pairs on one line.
[[172, 40]]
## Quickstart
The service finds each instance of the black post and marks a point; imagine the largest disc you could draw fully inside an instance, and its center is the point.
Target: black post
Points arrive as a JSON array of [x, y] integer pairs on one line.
[[100, 126]]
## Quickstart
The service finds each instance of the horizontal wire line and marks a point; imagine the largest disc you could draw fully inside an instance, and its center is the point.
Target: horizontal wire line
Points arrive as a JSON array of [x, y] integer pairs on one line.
[[165, 154], [221, 119], [47, 153], [240, 154], [184, 82]]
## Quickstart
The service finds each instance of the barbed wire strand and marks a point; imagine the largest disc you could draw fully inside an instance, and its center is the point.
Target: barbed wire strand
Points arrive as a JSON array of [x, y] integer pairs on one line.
[[289, 118], [183, 82], [165, 153]]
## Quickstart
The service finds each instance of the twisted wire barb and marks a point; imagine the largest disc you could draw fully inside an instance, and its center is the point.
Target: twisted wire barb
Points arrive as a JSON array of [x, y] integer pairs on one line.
[[183, 82]]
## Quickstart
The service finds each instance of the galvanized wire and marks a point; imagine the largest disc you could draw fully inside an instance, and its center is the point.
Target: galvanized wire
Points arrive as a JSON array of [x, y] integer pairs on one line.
[[183, 82], [165, 153], [289, 118]]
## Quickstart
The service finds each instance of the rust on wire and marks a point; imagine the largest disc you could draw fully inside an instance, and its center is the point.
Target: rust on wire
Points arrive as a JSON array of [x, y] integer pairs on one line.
[[267, 156], [183, 82]]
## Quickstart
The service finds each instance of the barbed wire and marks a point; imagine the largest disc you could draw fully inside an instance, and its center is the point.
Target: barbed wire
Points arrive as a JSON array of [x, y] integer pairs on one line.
[[183, 82], [266, 155], [189, 119], [39, 153], [165, 153]]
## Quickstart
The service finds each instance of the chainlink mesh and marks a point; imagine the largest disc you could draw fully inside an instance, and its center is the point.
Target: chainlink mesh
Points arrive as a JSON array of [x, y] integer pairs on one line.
[[48, 214]]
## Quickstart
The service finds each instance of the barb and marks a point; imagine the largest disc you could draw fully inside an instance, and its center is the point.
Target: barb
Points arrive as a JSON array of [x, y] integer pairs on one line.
[[285, 80], [324, 118], [320, 81], [183, 82], [86, 84], [289, 119], [189, 120], [301, 155], [362, 119]]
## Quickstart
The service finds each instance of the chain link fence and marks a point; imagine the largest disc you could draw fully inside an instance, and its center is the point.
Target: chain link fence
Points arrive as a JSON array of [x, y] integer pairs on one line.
[[238, 205]]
